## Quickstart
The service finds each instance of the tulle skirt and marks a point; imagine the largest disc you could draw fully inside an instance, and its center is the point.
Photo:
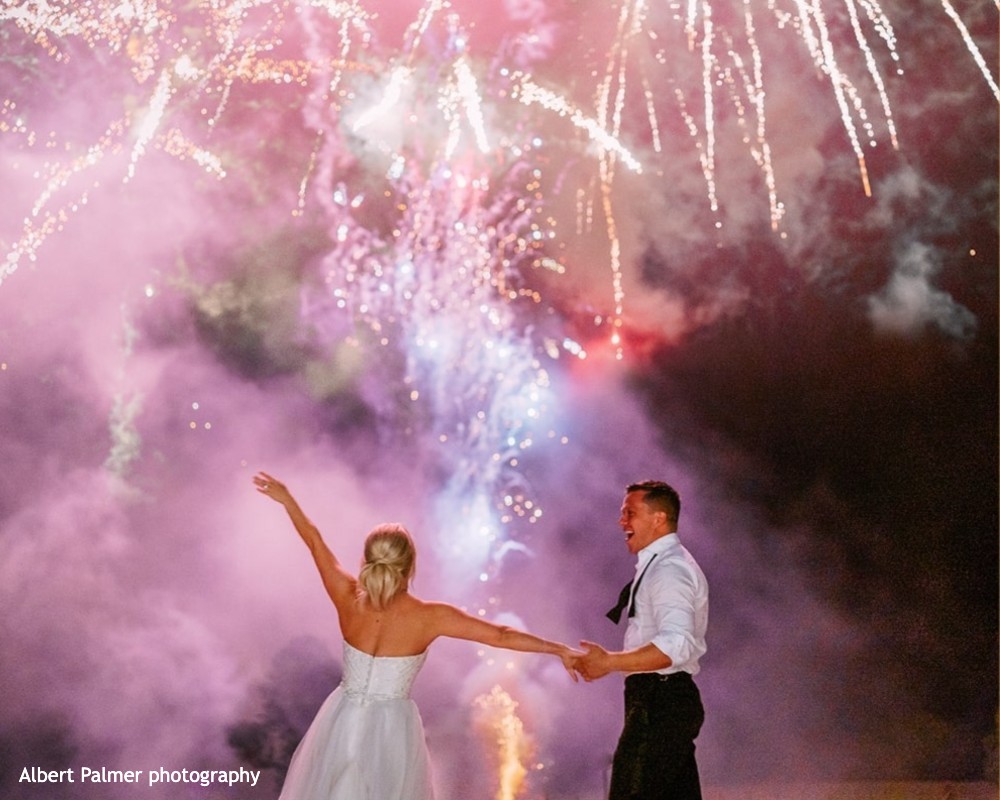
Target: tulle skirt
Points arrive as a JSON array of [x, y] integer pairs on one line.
[[361, 749]]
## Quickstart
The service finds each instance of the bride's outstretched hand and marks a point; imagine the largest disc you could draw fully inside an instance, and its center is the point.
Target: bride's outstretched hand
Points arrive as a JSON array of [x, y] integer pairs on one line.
[[272, 487]]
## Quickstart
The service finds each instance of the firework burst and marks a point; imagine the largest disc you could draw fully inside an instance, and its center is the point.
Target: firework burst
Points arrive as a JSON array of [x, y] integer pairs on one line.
[[434, 166]]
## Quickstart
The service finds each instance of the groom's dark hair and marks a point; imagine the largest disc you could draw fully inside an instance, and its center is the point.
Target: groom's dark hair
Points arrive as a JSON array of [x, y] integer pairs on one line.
[[659, 496]]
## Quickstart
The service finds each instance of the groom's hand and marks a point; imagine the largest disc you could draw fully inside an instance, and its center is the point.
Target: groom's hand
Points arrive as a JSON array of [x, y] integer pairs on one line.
[[594, 663]]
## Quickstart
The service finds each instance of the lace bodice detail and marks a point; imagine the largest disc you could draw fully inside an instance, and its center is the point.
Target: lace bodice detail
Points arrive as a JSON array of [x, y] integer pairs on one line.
[[373, 678]]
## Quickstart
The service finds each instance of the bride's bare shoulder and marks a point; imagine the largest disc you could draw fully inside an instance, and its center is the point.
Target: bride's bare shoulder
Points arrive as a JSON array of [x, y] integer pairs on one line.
[[430, 609]]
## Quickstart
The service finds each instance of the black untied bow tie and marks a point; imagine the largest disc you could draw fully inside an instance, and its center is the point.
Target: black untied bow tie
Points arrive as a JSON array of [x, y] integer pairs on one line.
[[615, 614]]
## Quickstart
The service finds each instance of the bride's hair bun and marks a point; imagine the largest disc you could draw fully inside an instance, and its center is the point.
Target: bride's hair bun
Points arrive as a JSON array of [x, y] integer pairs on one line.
[[389, 561]]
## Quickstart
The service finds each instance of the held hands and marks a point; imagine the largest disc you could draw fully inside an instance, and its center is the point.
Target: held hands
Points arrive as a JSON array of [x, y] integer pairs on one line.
[[570, 658], [593, 663]]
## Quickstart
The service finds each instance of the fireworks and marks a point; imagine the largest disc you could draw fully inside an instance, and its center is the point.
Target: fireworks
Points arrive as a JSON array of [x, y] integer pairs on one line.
[[499, 720], [434, 165], [239, 42], [434, 168]]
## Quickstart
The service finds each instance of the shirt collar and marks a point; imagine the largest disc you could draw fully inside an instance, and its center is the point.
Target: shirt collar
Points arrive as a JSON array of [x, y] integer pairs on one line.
[[655, 548]]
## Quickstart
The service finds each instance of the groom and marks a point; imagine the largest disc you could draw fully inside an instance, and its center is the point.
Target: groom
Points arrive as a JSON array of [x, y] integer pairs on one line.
[[667, 608]]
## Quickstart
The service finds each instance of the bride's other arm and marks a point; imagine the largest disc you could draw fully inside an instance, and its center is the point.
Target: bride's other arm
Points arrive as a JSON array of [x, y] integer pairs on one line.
[[457, 624], [339, 584]]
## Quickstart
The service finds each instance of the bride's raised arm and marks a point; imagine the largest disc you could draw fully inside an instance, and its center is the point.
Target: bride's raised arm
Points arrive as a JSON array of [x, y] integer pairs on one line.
[[339, 584], [457, 624]]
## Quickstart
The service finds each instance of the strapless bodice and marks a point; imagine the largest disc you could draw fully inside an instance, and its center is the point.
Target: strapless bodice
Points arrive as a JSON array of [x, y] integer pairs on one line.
[[374, 678]]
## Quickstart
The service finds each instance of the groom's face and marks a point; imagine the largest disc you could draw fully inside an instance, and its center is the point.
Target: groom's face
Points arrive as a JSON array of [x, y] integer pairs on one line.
[[639, 522]]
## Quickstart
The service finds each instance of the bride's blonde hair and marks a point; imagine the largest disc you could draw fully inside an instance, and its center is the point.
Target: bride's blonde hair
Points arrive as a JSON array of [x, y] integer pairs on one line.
[[390, 558]]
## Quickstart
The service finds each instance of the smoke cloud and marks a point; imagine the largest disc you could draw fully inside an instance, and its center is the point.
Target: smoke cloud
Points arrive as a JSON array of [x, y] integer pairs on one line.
[[822, 394]]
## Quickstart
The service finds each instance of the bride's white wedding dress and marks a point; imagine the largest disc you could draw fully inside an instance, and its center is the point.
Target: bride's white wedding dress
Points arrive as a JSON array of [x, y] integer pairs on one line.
[[367, 740]]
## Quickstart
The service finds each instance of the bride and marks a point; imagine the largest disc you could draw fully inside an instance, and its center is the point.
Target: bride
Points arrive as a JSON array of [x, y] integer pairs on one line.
[[367, 740]]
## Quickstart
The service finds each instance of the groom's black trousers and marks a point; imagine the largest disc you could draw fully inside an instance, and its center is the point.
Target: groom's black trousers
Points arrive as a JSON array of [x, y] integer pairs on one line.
[[655, 755]]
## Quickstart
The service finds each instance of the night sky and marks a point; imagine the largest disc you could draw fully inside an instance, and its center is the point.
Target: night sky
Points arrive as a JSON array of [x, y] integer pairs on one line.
[[203, 279]]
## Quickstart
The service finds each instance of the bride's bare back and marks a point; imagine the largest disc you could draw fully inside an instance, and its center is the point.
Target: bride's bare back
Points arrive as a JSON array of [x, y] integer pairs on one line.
[[406, 626]]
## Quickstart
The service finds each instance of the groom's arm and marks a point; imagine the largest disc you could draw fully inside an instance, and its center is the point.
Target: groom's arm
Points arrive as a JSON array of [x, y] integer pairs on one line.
[[596, 662]]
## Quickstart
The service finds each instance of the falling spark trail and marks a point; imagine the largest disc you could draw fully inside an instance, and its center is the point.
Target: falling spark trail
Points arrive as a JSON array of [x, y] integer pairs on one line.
[[530, 93], [812, 23], [971, 45], [873, 69], [390, 98], [708, 68], [468, 90], [754, 89], [147, 129]]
